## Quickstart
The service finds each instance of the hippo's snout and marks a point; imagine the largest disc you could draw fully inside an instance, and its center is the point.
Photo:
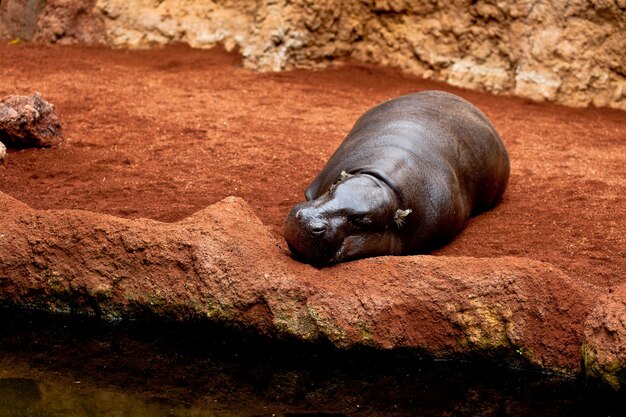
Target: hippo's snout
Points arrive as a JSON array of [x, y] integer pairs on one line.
[[308, 219], [312, 236]]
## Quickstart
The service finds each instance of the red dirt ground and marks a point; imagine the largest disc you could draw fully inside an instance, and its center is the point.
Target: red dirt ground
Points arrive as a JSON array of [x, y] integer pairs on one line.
[[163, 133]]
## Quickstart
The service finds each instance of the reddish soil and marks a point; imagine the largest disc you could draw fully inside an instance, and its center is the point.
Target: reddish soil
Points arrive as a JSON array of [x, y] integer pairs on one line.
[[164, 133]]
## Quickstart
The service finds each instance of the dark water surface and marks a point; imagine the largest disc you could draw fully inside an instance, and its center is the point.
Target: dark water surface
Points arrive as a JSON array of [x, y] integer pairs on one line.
[[64, 366]]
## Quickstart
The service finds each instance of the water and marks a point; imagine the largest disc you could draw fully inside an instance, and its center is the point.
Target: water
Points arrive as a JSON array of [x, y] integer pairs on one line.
[[79, 367]]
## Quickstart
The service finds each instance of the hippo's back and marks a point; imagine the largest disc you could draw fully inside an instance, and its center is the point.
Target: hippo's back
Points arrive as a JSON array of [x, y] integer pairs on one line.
[[419, 138]]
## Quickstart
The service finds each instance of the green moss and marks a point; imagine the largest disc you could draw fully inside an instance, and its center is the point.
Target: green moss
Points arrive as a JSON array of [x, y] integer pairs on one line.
[[214, 309], [113, 314], [307, 323], [611, 373], [484, 326], [298, 321], [103, 294], [366, 335]]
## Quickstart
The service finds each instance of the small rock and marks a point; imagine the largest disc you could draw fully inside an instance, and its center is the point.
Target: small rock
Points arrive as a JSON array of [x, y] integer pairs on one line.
[[3, 152], [29, 121]]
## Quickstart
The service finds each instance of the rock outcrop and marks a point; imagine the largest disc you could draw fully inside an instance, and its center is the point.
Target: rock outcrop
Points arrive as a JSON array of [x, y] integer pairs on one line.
[[60, 21], [605, 339], [201, 24], [222, 265], [29, 121], [69, 22], [18, 18], [570, 52]]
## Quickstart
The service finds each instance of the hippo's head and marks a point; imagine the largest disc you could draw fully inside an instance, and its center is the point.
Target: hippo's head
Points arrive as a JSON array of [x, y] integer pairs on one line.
[[357, 217]]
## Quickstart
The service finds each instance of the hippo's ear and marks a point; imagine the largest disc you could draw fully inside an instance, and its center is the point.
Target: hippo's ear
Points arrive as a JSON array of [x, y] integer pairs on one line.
[[344, 176], [399, 217]]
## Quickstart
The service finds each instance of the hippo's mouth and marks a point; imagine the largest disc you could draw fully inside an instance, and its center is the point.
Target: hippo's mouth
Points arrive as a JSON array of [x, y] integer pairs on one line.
[[305, 256], [314, 258], [339, 255], [350, 248]]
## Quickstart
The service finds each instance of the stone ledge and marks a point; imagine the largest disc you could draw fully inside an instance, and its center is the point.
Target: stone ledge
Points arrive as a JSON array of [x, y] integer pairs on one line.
[[222, 265]]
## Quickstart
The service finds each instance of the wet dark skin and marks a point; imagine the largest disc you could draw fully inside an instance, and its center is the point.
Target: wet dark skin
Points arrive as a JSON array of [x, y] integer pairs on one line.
[[406, 179], [343, 224]]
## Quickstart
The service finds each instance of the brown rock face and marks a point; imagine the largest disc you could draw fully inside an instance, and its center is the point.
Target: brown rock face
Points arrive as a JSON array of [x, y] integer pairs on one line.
[[62, 21], [69, 22], [29, 121], [222, 265], [605, 339], [18, 18], [570, 52]]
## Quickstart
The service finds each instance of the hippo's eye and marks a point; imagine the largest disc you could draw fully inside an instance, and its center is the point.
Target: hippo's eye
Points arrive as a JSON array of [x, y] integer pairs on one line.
[[361, 221]]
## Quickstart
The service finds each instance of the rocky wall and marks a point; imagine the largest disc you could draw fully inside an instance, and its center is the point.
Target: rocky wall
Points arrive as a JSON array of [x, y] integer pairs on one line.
[[51, 21], [570, 52], [18, 19]]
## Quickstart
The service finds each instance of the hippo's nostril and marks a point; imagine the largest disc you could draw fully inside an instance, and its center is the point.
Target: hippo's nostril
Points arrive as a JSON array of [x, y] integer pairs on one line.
[[318, 228]]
